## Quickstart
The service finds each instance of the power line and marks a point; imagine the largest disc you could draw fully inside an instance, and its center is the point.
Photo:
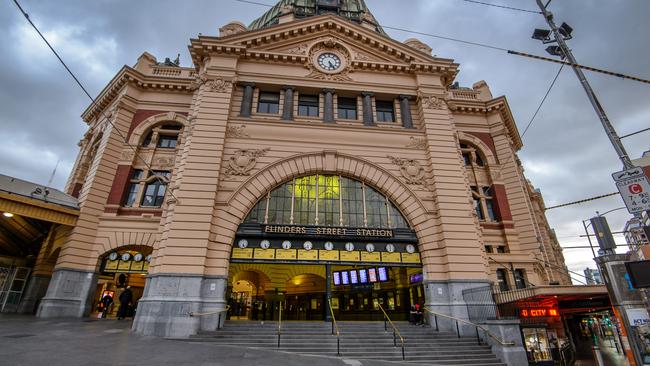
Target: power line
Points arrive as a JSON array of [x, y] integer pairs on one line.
[[502, 6], [583, 201], [634, 133], [94, 102], [542, 102]]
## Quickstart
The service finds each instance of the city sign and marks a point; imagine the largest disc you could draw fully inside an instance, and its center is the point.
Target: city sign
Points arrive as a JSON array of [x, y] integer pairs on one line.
[[634, 188], [538, 312]]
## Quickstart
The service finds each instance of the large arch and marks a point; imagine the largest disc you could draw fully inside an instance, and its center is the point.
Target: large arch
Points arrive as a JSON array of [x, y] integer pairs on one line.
[[137, 134]]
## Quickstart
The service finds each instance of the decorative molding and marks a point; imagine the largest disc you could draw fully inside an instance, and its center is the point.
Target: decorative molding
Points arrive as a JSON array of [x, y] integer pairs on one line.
[[329, 44], [360, 56], [244, 161], [215, 84], [127, 155], [301, 49], [232, 28], [165, 162], [237, 131], [432, 101], [417, 143], [410, 169]]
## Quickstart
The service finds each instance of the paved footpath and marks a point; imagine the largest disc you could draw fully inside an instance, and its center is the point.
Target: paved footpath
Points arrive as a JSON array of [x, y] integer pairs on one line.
[[30, 341]]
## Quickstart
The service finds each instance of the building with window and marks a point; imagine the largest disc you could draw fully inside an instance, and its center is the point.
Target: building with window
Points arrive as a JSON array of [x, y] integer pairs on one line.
[[593, 277], [307, 159]]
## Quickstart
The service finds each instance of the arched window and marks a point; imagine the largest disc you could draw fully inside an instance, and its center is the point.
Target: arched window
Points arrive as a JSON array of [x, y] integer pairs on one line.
[[471, 155], [327, 200]]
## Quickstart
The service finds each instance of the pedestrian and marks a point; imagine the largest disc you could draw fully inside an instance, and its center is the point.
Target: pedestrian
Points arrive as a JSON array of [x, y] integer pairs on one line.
[[419, 317], [263, 310], [412, 315], [106, 301], [125, 301]]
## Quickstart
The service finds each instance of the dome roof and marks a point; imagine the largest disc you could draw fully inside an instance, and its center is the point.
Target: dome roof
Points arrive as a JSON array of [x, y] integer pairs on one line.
[[354, 10]]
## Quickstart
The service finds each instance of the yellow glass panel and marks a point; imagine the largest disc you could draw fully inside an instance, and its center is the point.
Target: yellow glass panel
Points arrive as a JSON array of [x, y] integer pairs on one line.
[[245, 253], [111, 266], [370, 257], [328, 255], [136, 266], [286, 254], [124, 266], [264, 253], [391, 257], [307, 255], [411, 257], [352, 256]]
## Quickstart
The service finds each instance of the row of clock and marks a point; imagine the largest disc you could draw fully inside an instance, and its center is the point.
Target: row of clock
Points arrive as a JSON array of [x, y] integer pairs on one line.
[[127, 256], [307, 245]]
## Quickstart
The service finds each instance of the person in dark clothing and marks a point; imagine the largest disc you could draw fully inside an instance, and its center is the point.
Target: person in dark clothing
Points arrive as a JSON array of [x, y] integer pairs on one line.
[[264, 310], [419, 316], [412, 315], [107, 301], [126, 298]]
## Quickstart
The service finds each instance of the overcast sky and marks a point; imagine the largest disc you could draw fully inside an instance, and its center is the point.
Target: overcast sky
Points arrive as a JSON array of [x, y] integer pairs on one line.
[[566, 153]]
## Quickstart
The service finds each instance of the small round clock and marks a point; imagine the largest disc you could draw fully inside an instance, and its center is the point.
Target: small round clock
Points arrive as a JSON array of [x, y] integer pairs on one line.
[[149, 258], [126, 256], [243, 243], [329, 61], [138, 257], [370, 247], [286, 244], [349, 246], [265, 244], [113, 256], [390, 248], [307, 245], [329, 245], [410, 248]]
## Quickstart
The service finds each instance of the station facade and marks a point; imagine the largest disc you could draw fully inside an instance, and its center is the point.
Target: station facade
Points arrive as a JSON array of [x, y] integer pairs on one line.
[[307, 160]]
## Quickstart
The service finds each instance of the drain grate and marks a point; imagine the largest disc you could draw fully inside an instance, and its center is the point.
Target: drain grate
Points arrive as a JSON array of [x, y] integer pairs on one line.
[[19, 335]]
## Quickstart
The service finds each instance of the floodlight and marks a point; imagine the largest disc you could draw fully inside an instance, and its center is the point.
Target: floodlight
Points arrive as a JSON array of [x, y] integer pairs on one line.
[[542, 34], [8, 214], [555, 51], [565, 30]]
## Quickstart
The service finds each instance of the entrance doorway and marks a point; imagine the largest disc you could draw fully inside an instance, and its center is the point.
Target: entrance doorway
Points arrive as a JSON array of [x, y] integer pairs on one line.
[[258, 291]]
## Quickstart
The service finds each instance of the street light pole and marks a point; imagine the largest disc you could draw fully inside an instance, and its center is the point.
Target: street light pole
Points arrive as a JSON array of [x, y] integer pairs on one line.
[[566, 52]]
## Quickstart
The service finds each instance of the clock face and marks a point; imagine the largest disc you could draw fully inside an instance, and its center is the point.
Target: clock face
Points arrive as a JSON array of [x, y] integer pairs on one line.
[[112, 256], [149, 257], [243, 243], [126, 256], [286, 244], [329, 245], [137, 257], [370, 247], [390, 248], [307, 245], [329, 61], [410, 248], [349, 246], [265, 244]]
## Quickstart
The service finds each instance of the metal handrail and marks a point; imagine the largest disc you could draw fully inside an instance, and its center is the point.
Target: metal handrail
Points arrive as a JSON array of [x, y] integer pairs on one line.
[[193, 314], [335, 326], [395, 330], [279, 322], [476, 326]]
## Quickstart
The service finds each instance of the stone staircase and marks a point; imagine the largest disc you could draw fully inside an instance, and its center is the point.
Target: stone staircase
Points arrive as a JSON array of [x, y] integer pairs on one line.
[[358, 340]]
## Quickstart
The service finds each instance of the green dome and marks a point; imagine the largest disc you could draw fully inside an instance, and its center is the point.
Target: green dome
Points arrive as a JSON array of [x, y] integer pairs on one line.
[[353, 10]]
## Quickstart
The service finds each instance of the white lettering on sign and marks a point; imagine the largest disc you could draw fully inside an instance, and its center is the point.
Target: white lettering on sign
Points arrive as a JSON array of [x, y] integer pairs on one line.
[[634, 188]]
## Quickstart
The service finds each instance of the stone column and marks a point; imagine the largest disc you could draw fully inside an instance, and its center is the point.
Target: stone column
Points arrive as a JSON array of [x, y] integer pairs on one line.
[[368, 118], [328, 110], [247, 100], [405, 107], [287, 111], [328, 292]]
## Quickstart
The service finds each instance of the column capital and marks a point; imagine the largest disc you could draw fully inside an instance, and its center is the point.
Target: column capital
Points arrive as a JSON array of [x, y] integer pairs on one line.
[[329, 90], [404, 96], [288, 87], [247, 83], [367, 94]]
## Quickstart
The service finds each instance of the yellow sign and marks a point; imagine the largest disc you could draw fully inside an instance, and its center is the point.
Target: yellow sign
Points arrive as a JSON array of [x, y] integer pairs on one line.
[[124, 266], [239, 253], [287, 254], [328, 255], [307, 255], [264, 253], [111, 265], [391, 257], [370, 257], [136, 266], [145, 267], [352, 256], [411, 257]]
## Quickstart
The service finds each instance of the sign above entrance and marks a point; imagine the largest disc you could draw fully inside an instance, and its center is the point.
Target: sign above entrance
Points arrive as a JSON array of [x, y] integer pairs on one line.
[[321, 231], [323, 256]]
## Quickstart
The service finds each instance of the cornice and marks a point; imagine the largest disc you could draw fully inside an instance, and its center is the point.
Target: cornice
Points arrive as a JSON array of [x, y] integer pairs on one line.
[[129, 76]]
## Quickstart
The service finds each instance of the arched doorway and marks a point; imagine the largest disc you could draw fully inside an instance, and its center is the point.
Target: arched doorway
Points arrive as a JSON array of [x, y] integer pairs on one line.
[[330, 244]]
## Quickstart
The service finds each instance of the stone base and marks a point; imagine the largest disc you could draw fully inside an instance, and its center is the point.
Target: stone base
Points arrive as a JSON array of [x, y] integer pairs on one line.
[[68, 294], [446, 297], [35, 291], [507, 331], [164, 309]]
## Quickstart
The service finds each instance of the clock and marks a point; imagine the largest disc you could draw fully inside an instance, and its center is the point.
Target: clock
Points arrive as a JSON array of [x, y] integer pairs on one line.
[[265, 244], [370, 247], [126, 256], [307, 245], [286, 244], [390, 248], [243, 243], [410, 248], [112, 256], [329, 61], [349, 246], [329, 245], [137, 257], [148, 259]]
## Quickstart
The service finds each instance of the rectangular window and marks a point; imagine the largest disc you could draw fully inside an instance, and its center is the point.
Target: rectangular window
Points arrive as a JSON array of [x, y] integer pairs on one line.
[[502, 279], [501, 249], [167, 142], [520, 280], [347, 108], [488, 249], [385, 111], [154, 191], [478, 206], [489, 203], [131, 194], [269, 103], [308, 105]]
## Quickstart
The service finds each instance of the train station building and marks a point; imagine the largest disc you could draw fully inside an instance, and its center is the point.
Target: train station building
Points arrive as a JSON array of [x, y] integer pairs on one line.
[[306, 159]]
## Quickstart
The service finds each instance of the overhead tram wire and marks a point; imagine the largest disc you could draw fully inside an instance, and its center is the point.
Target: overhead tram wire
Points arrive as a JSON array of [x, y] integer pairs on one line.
[[542, 102], [94, 101], [502, 6]]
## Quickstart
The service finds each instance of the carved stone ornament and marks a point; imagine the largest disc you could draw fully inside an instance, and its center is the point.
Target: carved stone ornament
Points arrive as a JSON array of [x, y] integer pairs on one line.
[[232, 28], [417, 143], [300, 49], [432, 101], [165, 162], [418, 45], [329, 44], [237, 131], [217, 84], [244, 161], [128, 155], [360, 56], [410, 169]]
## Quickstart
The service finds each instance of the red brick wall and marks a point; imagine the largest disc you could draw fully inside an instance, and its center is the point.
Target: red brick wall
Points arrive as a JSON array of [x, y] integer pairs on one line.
[[487, 139], [501, 202], [120, 182], [76, 190]]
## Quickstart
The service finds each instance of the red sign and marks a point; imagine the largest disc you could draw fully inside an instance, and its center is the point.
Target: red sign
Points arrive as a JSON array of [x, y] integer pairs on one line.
[[635, 188], [538, 312]]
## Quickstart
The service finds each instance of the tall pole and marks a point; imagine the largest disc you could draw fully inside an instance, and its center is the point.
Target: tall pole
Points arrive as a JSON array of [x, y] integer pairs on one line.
[[609, 129]]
